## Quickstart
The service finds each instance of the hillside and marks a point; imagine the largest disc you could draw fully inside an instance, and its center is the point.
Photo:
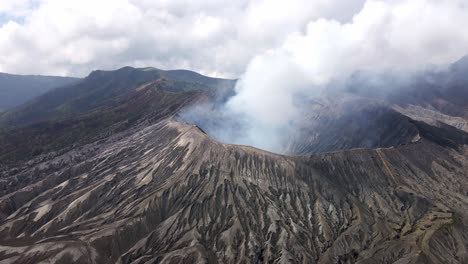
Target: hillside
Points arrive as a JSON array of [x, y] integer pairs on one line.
[[102, 89], [168, 193], [119, 178], [17, 89]]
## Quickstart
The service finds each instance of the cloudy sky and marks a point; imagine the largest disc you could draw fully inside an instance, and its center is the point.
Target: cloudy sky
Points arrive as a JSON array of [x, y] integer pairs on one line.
[[281, 50], [221, 38]]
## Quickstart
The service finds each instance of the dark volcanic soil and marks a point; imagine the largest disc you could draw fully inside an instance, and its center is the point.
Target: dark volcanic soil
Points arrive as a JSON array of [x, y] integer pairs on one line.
[[143, 187]]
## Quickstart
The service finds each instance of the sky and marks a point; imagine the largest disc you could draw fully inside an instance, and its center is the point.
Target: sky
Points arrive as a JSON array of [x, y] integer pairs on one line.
[[219, 38], [280, 50]]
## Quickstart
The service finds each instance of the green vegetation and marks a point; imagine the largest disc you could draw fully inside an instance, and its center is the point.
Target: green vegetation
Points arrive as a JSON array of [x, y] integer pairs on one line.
[[105, 88], [102, 104]]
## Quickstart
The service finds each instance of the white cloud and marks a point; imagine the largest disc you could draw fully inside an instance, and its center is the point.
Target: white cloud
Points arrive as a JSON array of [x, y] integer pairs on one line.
[[396, 35], [17, 8], [282, 49], [404, 36], [215, 37], [221, 37]]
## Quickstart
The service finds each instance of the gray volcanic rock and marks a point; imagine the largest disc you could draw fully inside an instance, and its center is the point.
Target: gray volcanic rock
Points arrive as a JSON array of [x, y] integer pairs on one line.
[[167, 193], [126, 182], [349, 122]]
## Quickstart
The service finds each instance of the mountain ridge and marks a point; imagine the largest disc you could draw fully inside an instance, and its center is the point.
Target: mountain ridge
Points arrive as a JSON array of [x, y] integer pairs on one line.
[[17, 89], [98, 89], [190, 152], [129, 182]]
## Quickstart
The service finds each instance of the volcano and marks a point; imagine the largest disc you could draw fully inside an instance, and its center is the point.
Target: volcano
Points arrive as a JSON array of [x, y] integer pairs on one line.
[[105, 170]]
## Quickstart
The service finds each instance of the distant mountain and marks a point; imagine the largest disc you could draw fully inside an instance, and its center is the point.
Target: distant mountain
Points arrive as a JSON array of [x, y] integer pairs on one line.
[[106, 88], [17, 89], [104, 171], [101, 104]]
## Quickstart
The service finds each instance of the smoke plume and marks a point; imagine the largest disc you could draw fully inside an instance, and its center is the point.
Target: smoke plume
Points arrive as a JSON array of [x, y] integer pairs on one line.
[[399, 38]]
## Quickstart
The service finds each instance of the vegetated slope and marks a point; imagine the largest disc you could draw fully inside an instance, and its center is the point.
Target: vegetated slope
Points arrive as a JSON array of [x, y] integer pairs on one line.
[[17, 89], [104, 103], [146, 188], [147, 105], [103, 88]]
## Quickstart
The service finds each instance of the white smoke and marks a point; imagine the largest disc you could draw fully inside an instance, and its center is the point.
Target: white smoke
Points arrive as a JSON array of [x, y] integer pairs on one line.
[[385, 36]]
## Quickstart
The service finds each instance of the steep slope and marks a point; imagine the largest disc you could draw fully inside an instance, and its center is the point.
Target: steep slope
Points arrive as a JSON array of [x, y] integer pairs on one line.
[[17, 89], [348, 122], [329, 123], [434, 97], [167, 193], [119, 179], [146, 105], [370, 114]]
